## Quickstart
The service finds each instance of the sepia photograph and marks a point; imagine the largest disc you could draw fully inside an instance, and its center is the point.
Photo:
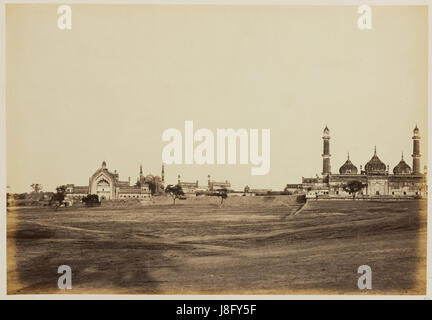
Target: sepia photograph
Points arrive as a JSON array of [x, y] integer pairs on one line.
[[216, 149]]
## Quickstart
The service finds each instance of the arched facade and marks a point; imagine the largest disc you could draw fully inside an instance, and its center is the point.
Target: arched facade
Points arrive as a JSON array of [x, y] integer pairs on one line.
[[107, 186]]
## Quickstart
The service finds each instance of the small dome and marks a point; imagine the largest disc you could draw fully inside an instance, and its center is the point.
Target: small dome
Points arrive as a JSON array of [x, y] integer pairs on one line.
[[103, 164], [402, 167], [348, 167], [375, 165]]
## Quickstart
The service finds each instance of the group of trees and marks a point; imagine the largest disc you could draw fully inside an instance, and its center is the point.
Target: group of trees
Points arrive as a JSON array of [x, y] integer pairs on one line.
[[57, 199]]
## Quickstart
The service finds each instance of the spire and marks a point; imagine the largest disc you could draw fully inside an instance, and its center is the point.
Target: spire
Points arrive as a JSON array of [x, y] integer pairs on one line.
[[141, 172], [402, 156], [348, 155], [375, 150], [326, 130]]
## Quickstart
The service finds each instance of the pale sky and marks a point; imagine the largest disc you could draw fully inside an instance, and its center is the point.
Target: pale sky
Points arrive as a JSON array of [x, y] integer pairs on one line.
[[108, 88]]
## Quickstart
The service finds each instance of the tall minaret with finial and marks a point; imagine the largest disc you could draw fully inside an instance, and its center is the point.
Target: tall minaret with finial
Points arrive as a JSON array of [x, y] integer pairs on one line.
[[416, 151], [326, 152], [163, 173]]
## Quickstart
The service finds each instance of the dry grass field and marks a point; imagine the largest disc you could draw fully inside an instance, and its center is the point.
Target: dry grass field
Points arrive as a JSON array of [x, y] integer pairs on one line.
[[247, 246]]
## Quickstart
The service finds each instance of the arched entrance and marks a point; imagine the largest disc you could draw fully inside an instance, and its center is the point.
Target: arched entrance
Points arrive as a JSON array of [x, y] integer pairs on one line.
[[103, 189]]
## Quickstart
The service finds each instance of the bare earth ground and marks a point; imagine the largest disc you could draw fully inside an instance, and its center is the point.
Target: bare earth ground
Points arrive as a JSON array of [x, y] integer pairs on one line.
[[198, 247]]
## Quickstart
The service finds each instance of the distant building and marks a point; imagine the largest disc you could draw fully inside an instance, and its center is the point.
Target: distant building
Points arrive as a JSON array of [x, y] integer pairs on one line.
[[377, 179], [294, 188], [188, 187], [215, 185], [108, 186], [194, 187]]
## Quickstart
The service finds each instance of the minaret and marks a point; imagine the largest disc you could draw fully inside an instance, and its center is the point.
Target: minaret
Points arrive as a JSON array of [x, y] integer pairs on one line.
[[178, 179], [416, 151], [326, 152], [163, 173], [141, 172]]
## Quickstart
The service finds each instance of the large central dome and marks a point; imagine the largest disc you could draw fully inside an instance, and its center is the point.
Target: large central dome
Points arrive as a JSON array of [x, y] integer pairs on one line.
[[375, 165]]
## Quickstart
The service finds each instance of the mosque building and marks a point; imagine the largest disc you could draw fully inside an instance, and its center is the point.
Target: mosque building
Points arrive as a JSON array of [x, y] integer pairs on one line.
[[376, 177]]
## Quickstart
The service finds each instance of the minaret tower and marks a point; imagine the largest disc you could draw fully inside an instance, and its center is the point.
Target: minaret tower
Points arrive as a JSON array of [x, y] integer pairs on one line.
[[416, 151], [163, 173], [326, 152]]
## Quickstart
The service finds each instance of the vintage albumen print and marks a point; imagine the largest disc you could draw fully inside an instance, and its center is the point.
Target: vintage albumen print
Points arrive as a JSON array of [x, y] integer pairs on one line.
[[216, 149]]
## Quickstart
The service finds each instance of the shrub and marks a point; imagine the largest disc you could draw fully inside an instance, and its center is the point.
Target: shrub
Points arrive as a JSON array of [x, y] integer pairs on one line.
[[91, 200]]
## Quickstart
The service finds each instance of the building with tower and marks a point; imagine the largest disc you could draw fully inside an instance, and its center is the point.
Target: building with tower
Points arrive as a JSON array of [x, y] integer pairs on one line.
[[108, 186], [376, 178], [213, 185]]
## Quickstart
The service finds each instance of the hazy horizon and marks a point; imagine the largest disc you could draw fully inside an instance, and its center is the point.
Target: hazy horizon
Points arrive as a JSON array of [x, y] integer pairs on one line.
[[107, 89]]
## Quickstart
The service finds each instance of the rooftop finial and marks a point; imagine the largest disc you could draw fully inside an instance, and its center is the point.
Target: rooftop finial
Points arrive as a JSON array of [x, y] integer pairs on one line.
[[348, 155], [375, 150], [402, 155]]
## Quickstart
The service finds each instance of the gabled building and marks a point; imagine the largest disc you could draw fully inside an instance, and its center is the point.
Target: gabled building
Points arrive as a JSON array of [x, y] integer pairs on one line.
[[108, 186]]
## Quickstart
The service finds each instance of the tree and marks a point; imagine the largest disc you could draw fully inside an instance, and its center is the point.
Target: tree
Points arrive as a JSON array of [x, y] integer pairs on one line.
[[152, 187], [37, 193], [152, 184], [222, 193], [175, 191], [353, 187], [37, 187], [91, 200], [58, 197]]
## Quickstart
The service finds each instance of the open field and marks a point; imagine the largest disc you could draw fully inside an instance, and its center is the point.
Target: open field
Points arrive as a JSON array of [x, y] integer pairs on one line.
[[246, 246]]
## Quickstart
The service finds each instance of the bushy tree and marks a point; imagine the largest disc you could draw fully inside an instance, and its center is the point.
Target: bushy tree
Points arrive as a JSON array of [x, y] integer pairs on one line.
[[37, 187], [353, 187], [91, 200], [222, 193], [58, 197], [175, 191]]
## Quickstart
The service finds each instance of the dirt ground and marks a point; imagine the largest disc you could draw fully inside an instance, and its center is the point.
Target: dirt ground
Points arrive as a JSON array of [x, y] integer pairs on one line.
[[198, 247]]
